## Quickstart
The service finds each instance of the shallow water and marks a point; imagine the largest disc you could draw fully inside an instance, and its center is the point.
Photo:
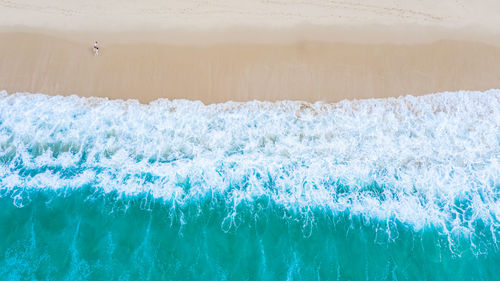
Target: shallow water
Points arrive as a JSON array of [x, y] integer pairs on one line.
[[386, 189]]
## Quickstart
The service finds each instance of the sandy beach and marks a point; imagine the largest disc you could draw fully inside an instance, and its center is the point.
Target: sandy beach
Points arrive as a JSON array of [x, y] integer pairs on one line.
[[217, 51]]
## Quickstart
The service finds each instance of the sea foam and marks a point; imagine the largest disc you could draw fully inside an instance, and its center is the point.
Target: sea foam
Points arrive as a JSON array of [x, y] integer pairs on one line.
[[432, 160]]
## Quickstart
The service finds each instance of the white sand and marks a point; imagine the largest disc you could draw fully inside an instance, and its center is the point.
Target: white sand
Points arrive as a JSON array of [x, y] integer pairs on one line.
[[114, 15]]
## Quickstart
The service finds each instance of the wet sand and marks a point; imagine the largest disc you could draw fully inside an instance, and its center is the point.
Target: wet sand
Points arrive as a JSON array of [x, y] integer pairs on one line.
[[306, 70]]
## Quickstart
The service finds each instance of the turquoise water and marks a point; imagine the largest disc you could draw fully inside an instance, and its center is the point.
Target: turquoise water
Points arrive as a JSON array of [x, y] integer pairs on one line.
[[389, 189]]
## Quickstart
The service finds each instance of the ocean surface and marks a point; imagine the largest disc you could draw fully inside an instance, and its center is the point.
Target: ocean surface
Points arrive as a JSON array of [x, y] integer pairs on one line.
[[384, 189]]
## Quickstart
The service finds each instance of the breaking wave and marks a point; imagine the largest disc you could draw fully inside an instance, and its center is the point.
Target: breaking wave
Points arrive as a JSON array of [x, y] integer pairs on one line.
[[395, 169]]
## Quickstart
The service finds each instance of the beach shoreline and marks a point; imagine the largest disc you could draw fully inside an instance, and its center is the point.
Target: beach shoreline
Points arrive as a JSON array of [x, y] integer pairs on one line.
[[135, 66], [249, 140], [217, 51]]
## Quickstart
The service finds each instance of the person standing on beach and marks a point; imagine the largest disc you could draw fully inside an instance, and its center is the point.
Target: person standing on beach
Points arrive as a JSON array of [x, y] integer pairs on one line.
[[96, 49]]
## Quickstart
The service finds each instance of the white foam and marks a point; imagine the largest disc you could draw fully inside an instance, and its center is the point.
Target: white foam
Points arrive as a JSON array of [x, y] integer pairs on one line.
[[426, 153]]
